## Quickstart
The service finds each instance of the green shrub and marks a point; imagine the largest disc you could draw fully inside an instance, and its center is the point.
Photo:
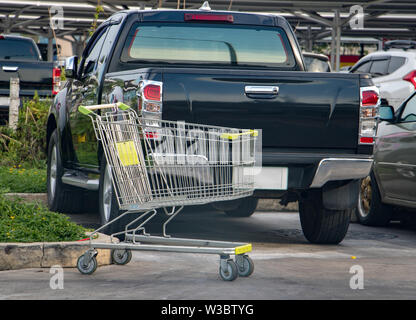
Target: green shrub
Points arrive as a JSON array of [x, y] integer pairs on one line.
[[30, 222], [19, 179], [27, 144]]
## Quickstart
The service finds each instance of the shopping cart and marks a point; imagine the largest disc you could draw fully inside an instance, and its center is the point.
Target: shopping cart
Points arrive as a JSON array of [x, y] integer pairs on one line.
[[158, 164]]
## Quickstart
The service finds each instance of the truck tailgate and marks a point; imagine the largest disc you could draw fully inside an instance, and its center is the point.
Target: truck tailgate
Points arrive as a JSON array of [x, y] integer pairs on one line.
[[33, 75], [311, 110]]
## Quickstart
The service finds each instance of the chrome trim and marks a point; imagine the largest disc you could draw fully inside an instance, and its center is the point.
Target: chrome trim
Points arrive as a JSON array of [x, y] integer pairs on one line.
[[71, 65], [332, 169], [261, 89], [10, 68], [80, 182]]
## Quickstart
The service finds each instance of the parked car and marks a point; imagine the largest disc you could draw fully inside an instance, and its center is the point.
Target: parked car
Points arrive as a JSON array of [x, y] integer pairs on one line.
[[316, 62], [226, 69], [20, 57], [43, 48], [392, 182], [393, 71]]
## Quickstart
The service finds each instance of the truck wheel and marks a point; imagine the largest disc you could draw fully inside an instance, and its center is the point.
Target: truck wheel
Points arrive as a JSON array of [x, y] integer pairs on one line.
[[320, 225], [107, 201], [61, 197], [370, 210], [237, 208]]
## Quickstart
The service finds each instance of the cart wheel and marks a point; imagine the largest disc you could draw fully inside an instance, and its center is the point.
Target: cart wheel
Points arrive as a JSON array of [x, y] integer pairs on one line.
[[230, 273], [245, 266], [121, 256], [89, 268]]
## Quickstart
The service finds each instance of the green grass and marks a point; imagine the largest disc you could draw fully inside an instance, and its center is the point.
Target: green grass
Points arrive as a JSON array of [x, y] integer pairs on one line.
[[31, 222], [20, 179]]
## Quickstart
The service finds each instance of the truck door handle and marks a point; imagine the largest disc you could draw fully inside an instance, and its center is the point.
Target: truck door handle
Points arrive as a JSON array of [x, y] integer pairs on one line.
[[274, 90], [10, 68]]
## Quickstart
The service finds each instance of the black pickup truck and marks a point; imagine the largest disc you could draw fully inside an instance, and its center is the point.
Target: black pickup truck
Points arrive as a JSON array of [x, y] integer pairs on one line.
[[20, 58], [228, 69]]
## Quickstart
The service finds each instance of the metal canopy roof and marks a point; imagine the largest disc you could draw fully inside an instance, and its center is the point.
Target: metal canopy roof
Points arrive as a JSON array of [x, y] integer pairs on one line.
[[311, 19], [382, 18]]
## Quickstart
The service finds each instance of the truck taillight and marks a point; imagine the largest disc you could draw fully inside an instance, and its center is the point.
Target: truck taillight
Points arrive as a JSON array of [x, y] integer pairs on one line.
[[152, 92], [369, 103], [56, 80], [150, 101], [411, 77]]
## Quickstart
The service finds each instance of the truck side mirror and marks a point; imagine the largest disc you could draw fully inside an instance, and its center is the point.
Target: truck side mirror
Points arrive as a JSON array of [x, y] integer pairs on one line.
[[71, 65], [386, 113]]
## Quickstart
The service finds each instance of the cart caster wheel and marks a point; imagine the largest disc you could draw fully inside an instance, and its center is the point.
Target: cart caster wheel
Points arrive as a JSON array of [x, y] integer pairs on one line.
[[121, 257], [245, 265], [229, 273], [86, 268]]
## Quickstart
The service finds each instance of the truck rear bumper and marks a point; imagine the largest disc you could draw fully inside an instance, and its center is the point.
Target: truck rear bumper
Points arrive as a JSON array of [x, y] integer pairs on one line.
[[333, 169]]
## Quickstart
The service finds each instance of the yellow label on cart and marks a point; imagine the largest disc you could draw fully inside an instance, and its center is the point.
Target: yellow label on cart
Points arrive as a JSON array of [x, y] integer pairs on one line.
[[233, 136], [243, 249], [127, 153]]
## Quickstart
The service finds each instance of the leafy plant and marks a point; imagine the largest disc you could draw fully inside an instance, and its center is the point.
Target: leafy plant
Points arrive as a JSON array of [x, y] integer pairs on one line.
[[31, 222], [98, 10], [27, 144], [18, 179]]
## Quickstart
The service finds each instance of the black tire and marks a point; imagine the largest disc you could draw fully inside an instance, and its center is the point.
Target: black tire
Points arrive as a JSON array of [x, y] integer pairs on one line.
[[246, 268], [87, 269], [61, 197], [120, 256], [230, 273], [370, 210], [108, 207], [320, 225], [237, 208]]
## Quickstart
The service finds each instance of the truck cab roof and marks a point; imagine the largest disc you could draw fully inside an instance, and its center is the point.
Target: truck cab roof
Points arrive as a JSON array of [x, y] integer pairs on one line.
[[173, 15]]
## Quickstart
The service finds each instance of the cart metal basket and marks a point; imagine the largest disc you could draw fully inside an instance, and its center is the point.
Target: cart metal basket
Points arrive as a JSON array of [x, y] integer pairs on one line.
[[164, 164]]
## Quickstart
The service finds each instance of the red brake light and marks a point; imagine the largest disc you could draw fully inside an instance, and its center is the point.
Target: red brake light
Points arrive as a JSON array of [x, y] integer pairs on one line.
[[209, 17], [366, 139], [1, 37], [152, 92], [56, 80], [369, 98], [56, 72], [411, 77]]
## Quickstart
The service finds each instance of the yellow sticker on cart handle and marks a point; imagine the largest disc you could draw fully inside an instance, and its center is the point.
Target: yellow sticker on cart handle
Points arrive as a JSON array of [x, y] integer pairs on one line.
[[233, 136], [243, 249], [127, 153]]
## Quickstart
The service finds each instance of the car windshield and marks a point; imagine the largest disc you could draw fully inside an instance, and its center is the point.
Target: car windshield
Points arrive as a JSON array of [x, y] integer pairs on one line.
[[208, 44], [17, 49]]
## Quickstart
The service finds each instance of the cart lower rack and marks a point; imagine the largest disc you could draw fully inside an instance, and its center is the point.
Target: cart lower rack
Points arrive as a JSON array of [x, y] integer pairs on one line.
[[163, 164]]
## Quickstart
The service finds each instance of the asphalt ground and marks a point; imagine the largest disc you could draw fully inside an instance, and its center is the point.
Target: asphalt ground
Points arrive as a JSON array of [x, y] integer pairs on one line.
[[371, 263]]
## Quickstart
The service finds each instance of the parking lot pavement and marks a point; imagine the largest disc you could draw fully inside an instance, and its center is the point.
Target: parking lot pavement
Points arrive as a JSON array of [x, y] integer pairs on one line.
[[286, 265]]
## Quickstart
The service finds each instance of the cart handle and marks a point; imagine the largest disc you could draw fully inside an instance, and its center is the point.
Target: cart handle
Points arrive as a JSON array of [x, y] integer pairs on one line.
[[233, 136], [89, 109]]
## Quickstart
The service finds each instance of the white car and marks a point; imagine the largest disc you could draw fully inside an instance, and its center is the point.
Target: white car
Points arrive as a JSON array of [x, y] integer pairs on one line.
[[393, 70]]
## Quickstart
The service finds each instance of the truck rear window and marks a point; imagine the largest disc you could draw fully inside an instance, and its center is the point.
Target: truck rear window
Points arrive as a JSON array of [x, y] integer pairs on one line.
[[199, 43], [17, 49]]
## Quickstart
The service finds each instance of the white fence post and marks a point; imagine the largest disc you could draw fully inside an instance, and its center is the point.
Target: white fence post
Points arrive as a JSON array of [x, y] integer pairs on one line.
[[14, 103]]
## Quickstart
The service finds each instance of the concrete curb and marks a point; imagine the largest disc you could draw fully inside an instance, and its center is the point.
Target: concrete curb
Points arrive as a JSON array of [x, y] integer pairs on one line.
[[47, 254], [30, 197]]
